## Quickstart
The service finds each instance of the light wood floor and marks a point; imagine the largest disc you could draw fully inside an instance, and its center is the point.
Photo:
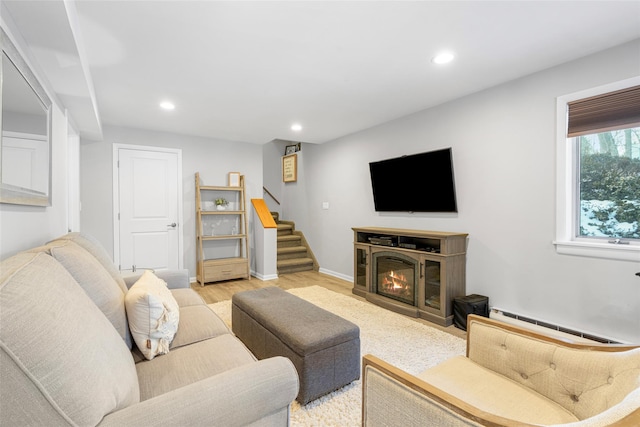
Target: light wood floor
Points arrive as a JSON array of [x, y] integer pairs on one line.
[[221, 291]]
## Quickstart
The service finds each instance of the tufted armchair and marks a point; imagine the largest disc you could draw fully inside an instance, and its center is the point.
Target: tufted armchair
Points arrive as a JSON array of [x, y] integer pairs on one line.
[[510, 377]]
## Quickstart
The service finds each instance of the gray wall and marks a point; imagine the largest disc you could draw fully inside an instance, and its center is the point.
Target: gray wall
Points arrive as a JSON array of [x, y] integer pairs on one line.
[[272, 173], [503, 142], [214, 159]]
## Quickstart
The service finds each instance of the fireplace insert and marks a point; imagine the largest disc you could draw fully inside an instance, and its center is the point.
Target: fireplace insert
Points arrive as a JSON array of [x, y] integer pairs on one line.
[[395, 276]]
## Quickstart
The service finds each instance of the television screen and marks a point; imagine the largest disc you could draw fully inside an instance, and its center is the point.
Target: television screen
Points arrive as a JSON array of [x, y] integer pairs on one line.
[[421, 182]]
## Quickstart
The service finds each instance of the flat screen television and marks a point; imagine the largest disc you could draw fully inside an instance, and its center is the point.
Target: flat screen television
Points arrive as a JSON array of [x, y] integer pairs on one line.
[[421, 182]]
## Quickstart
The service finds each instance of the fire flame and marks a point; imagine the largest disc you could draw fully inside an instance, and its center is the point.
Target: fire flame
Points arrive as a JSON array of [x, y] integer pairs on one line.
[[395, 281]]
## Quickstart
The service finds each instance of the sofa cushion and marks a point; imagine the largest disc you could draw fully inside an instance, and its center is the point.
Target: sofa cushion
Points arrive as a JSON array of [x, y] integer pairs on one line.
[[54, 339], [191, 363], [198, 323], [96, 282], [493, 393], [187, 297], [91, 245], [153, 315]]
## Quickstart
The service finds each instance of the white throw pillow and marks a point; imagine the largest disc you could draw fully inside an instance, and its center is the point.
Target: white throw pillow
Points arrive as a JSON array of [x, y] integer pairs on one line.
[[153, 315]]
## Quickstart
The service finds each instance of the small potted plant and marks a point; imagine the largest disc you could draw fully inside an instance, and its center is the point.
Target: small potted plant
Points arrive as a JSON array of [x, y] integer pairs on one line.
[[221, 203]]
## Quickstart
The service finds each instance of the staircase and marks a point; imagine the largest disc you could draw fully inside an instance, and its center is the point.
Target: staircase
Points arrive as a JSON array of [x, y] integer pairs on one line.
[[294, 253]]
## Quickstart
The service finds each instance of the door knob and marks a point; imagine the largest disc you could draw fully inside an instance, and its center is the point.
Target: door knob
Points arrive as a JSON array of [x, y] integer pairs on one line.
[[173, 224]]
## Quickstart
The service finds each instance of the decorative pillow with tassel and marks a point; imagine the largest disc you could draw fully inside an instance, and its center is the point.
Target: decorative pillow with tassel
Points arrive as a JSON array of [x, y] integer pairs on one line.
[[153, 315]]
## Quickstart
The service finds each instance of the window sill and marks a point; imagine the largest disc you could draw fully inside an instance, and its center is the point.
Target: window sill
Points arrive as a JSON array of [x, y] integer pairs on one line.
[[599, 250]]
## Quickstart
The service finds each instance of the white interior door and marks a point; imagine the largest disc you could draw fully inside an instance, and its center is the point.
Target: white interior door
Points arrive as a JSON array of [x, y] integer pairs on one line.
[[148, 209]]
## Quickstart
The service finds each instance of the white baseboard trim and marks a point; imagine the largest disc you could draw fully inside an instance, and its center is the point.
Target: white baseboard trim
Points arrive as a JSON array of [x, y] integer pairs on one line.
[[253, 273], [264, 278], [336, 274]]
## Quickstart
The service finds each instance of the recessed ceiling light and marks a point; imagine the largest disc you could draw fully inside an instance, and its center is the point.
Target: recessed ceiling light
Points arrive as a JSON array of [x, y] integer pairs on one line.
[[166, 105], [296, 127], [443, 58]]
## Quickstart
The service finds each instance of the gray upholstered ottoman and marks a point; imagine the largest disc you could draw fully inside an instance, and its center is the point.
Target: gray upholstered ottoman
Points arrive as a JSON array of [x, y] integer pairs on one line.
[[324, 348]]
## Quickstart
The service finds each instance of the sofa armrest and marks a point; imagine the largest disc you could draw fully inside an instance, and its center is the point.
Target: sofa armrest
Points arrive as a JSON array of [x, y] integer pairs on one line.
[[237, 397], [391, 396], [176, 279]]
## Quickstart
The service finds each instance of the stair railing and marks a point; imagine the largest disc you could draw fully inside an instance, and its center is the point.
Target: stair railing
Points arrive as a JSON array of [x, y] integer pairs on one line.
[[270, 195]]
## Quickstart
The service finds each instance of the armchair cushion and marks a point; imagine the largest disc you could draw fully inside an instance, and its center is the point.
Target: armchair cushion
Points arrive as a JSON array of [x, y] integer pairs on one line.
[[498, 395], [153, 315]]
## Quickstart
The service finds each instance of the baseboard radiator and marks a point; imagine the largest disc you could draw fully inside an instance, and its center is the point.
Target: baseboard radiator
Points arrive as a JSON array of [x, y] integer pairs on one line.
[[546, 328]]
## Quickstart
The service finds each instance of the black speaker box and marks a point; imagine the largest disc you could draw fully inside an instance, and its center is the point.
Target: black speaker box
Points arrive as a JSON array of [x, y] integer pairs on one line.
[[471, 304]]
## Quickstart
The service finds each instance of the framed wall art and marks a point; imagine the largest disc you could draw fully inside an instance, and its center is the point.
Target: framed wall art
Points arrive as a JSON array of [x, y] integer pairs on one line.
[[234, 179], [290, 168], [290, 149]]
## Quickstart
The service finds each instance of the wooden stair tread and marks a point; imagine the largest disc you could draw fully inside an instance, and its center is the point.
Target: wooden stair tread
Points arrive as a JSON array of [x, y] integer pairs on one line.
[[288, 237], [294, 261], [291, 249]]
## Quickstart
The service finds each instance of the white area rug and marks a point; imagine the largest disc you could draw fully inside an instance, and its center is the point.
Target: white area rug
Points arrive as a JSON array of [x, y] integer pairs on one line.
[[407, 344]]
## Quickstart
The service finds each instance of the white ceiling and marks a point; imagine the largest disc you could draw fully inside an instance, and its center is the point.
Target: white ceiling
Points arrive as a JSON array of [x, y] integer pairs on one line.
[[246, 71]]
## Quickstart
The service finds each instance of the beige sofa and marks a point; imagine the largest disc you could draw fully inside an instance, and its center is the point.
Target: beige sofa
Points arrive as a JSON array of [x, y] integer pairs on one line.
[[510, 377], [67, 357]]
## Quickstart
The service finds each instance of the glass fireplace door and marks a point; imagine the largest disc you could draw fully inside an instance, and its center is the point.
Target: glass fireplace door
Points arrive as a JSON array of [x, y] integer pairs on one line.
[[361, 264], [431, 272], [395, 276]]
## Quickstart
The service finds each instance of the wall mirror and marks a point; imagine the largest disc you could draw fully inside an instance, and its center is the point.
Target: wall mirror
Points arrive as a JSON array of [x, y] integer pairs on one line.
[[25, 141]]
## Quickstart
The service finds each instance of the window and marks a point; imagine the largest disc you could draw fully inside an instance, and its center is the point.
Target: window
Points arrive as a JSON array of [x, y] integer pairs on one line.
[[609, 185], [598, 189]]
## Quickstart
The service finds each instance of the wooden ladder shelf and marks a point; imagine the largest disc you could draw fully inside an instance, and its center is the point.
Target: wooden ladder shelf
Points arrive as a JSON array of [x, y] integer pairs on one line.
[[222, 235]]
